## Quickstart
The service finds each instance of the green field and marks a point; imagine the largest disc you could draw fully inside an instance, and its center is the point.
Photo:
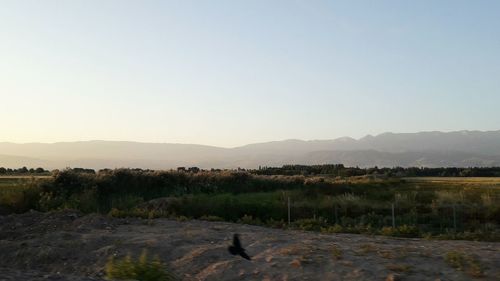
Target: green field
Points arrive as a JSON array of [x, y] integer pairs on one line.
[[458, 208]]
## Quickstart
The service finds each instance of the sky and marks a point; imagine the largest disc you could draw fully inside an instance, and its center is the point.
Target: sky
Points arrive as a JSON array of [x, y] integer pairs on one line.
[[229, 73]]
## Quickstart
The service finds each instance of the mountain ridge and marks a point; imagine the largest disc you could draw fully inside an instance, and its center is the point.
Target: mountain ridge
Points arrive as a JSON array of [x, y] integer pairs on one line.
[[428, 149]]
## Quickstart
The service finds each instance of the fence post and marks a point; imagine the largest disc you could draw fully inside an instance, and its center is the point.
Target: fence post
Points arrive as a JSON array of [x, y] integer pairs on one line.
[[288, 210], [454, 218], [393, 217], [416, 216], [336, 215]]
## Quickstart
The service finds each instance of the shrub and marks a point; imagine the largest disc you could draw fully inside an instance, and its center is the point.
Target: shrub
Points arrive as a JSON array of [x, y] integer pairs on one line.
[[246, 219], [144, 269], [182, 218]]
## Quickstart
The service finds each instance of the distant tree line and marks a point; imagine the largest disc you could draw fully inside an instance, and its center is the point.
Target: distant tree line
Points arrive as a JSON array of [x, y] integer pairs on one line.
[[342, 171], [337, 170], [22, 171]]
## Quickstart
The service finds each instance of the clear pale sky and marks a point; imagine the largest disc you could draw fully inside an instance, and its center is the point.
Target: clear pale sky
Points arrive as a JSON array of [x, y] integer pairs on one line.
[[231, 72]]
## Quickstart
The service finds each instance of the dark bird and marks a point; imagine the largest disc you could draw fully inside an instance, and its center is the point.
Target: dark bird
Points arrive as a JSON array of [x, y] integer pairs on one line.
[[236, 248]]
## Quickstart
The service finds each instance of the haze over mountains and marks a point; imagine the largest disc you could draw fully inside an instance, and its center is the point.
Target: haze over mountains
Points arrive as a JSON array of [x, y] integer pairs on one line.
[[425, 149]]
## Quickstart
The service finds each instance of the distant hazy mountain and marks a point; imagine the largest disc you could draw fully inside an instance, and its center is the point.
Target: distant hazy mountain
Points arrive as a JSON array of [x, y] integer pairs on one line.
[[429, 149]]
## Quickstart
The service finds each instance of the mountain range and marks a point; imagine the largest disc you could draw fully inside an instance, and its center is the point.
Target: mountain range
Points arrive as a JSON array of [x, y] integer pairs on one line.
[[423, 149]]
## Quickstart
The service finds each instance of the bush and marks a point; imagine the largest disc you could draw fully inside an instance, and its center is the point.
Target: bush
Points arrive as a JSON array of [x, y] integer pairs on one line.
[[144, 269]]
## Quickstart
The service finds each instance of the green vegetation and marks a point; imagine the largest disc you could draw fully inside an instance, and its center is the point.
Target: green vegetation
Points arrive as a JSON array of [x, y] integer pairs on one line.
[[336, 252], [453, 209], [18, 195], [143, 269], [339, 170], [464, 262]]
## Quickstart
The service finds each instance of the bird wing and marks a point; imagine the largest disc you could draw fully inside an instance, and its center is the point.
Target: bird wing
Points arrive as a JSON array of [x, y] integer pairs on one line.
[[245, 256], [236, 241]]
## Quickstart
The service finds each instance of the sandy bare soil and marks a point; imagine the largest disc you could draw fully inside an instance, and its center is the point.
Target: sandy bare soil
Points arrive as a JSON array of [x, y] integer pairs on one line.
[[69, 246]]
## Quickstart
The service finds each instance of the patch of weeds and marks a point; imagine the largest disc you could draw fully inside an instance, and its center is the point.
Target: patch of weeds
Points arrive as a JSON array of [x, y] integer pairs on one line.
[[464, 262], [211, 218], [402, 252], [333, 229], [401, 231], [336, 252], [151, 216], [386, 254], [181, 218], [368, 248], [247, 219], [143, 269], [310, 224]]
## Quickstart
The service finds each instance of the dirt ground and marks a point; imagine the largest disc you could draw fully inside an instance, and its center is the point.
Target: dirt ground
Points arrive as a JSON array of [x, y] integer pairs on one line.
[[67, 245]]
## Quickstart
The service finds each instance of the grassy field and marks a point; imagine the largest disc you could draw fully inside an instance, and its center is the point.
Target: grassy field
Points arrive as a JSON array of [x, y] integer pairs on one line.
[[461, 208], [19, 193], [13, 184], [457, 180]]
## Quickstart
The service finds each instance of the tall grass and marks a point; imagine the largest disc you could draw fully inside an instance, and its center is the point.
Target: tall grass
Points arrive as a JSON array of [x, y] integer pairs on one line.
[[438, 208], [18, 195]]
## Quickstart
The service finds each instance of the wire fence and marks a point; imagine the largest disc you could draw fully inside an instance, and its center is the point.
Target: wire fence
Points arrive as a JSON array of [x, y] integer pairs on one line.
[[434, 218]]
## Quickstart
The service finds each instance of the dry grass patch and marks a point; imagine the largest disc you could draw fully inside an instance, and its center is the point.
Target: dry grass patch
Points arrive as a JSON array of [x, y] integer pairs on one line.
[[368, 248], [386, 254], [465, 263], [336, 252]]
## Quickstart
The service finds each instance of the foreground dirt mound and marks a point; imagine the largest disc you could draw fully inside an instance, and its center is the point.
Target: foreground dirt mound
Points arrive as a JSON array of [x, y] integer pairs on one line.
[[69, 246]]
